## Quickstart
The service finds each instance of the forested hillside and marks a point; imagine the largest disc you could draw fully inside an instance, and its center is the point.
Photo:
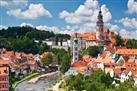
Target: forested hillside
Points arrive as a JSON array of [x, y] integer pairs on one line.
[[21, 39]]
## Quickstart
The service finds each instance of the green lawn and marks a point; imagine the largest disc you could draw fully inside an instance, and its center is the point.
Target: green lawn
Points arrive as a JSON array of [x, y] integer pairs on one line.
[[23, 79]]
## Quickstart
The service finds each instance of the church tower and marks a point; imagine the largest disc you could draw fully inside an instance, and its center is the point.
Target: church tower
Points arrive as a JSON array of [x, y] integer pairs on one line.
[[75, 48], [99, 26]]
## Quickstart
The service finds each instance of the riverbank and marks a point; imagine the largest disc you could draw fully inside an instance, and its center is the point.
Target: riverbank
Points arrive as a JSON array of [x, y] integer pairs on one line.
[[25, 78], [38, 83], [34, 80]]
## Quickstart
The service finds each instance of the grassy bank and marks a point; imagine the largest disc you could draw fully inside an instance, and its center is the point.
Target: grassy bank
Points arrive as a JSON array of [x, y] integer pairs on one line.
[[30, 75]]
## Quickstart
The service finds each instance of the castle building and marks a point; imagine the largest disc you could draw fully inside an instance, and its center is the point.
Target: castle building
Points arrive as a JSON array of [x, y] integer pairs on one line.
[[101, 37]]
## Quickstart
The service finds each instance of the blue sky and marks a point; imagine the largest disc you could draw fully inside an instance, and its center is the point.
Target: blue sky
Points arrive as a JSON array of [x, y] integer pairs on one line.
[[118, 14]]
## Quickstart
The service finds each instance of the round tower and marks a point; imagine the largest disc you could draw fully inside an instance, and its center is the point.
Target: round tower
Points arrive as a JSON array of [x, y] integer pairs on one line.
[[99, 26], [75, 49]]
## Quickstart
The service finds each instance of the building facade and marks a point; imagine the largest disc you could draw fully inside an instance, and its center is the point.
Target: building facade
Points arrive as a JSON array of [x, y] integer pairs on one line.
[[76, 43], [4, 76]]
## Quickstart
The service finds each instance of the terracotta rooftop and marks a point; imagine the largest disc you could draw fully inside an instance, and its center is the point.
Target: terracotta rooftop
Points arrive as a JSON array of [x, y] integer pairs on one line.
[[129, 65], [109, 48], [127, 51], [79, 63], [117, 70], [3, 70], [95, 69], [106, 30], [4, 62], [8, 53], [31, 62], [88, 36]]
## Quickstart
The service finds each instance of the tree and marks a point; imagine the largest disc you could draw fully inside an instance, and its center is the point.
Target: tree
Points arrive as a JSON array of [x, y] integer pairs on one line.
[[132, 43], [119, 41], [94, 50], [75, 82], [47, 60], [42, 47], [106, 79], [97, 81], [65, 64]]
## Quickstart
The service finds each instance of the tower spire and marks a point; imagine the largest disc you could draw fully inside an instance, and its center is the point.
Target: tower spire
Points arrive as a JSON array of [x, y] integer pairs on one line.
[[99, 25]]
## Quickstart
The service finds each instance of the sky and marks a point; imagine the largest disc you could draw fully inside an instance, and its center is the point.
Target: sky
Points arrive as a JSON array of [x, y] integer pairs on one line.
[[70, 16]]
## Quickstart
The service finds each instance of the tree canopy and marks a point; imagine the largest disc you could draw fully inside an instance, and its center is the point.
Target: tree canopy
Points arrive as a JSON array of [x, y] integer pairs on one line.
[[47, 60], [119, 41], [97, 81], [30, 32], [94, 50], [132, 43], [21, 39]]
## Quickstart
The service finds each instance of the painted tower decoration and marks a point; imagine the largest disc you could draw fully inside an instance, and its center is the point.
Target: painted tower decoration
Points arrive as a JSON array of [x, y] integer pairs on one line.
[[99, 26], [75, 49]]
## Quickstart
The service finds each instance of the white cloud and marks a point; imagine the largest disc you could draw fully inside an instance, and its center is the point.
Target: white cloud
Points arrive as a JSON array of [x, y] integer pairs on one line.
[[106, 14], [13, 4], [24, 24], [128, 34], [85, 17], [3, 27], [129, 23], [86, 13], [132, 7], [46, 28], [34, 11], [113, 27]]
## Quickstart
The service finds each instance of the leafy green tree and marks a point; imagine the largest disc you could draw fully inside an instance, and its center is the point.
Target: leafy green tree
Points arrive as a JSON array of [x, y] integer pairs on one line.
[[42, 47], [132, 43], [106, 79], [65, 64], [119, 41], [94, 50], [75, 82], [47, 60]]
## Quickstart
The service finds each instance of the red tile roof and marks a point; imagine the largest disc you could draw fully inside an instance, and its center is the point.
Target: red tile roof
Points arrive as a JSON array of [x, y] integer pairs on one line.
[[127, 51], [4, 62], [8, 53], [95, 69], [88, 36], [109, 48], [32, 62], [79, 63], [3, 70], [106, 30], [117, 70]]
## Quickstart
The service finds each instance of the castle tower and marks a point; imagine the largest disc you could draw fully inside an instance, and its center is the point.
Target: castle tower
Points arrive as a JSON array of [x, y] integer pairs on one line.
[[75, 49], [99, 26]]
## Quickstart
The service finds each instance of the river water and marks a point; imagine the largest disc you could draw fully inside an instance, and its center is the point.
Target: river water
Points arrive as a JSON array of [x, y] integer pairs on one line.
[[38, 86]]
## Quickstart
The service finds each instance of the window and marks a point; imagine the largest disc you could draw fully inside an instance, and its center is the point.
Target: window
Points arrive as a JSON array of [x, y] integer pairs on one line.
[[76, 48], [3, 85], [3, 78], [76, 53]]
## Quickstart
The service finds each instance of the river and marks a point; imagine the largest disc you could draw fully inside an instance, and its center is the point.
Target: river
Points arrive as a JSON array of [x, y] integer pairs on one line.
[[40, 85]]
